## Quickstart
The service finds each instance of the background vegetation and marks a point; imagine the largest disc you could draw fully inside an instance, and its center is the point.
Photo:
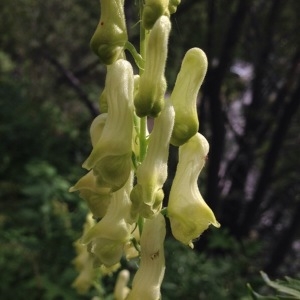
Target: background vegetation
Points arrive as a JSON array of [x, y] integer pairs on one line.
[[249, 110]]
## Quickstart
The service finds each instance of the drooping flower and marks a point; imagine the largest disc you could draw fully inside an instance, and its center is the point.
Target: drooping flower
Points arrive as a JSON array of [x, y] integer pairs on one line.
[[97, 198], [147, 194], [110, 158], [149, 100], [184, 95], [107, 238], [110, 36], [147, 280], [188, 212]]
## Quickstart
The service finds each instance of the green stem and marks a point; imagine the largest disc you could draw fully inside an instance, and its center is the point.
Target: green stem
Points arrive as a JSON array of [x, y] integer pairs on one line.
[[143, 121], [143, 138]]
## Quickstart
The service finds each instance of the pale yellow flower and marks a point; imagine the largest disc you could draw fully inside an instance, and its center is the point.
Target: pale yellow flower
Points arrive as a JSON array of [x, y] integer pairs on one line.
[[111, 156], [147, 280], [149, 100], [107, 238], [147, 194], [188, 212], [184, 95]]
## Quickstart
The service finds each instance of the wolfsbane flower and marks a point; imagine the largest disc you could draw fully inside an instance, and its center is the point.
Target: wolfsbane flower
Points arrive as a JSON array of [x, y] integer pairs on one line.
[[111, 156], [147, 280], [111, 35], [188, 212], [184, 95], [147, 194], [149, 100], [107, 238]]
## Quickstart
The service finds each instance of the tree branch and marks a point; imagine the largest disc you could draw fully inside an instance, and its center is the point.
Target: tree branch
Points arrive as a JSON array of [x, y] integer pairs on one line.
[[74, 82]]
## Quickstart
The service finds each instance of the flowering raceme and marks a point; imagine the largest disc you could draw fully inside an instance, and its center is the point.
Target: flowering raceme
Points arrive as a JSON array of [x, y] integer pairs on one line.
[[189, 214], [128, 164]]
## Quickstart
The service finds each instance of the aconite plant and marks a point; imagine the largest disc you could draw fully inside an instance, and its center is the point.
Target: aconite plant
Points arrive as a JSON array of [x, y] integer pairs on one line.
[[128, 165]]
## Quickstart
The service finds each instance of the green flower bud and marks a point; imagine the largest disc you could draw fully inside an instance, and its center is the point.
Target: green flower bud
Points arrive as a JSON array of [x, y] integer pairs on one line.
[[188, 212], [110, 158], [147, 281], [97, 198], [153, 9], [184, 96], [111, 35], [152, 85], [147, 194], [107, 238]]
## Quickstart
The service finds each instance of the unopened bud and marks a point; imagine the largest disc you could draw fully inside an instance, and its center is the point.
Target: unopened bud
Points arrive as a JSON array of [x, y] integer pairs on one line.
[[111, 35], [153, 9]]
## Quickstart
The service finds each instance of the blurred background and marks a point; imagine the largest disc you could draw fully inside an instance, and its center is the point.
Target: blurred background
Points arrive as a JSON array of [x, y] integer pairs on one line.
[[50, 83]]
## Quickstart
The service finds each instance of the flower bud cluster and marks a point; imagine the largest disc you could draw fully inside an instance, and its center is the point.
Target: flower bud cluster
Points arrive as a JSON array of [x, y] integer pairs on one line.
[[128, 166]]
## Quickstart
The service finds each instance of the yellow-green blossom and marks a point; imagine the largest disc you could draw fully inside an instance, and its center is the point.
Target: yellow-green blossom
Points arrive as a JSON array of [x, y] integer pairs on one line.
[[83, 263], [111, 35], [152, 10], [107, 238], [97, 198], [147, 280], [111, 156], [147, 194], [188, 212], [149, 100], [184, 95]]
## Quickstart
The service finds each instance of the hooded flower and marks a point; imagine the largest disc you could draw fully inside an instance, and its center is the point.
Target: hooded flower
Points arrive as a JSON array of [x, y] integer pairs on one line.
[[111, 35], [147, 280], [111, 156], [147, 194], [189, 214], [97, 198], [152, 84], [107, 238], [184, 95]]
